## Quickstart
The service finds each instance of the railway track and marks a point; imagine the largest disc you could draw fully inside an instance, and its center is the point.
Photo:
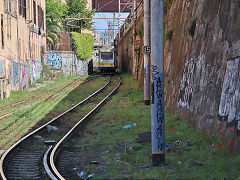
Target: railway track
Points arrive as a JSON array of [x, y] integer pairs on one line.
[[51, 94], [35, 155]]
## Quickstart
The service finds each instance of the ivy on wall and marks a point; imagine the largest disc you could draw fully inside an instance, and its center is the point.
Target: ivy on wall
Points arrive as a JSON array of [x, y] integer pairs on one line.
[[83, 45]]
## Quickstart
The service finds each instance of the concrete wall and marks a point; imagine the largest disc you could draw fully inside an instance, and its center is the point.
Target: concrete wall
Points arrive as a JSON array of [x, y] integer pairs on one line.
[[67, 62]]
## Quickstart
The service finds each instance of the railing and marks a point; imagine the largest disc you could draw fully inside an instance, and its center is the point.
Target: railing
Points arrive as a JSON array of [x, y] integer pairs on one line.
[[128, 23]]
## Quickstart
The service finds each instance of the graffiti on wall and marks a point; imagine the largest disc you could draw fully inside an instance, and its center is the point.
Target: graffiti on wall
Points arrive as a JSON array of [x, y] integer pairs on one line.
[[23, 76], [38, 68], [186, 89], [229, 105], [15, 74], [33, 67], [2, 69], [194, 74], [55, 60]]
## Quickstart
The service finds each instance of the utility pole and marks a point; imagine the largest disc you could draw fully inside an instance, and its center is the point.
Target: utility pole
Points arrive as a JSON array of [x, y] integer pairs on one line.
[[134, 29], [147, 54], [119, 17], [113, 25], [157, 80]]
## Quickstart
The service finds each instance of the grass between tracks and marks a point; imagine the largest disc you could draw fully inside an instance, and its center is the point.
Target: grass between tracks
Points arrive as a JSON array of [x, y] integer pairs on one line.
[[19, 95], [122, 156], [22, 122]]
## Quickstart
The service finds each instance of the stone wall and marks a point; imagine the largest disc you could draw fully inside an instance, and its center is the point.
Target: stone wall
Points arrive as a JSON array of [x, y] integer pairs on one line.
[[201, 69], [130, 44]]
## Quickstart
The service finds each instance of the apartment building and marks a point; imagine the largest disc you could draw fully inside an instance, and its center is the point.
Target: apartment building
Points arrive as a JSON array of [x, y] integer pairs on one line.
[[22, 37]]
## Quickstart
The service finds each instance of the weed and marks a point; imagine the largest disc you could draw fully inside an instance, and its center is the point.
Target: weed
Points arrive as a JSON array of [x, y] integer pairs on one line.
[[192, 27], [168, 81], [167, 5], [39, 81], [140, 30], [123, 157], [169, 34]]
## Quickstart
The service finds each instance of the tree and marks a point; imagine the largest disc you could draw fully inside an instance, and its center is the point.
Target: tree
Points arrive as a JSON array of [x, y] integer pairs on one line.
[[78, 9], [55, 12]]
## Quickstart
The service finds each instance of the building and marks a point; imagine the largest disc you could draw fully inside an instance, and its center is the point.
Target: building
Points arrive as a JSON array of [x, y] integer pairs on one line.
[[22, 37]]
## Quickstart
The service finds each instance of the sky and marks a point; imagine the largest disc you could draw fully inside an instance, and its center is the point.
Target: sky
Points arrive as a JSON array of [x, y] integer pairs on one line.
[[102, 23]]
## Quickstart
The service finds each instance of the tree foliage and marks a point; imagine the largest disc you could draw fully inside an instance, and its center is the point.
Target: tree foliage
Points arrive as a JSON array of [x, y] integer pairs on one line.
[[83, 45], [78, 9], [55, 12]]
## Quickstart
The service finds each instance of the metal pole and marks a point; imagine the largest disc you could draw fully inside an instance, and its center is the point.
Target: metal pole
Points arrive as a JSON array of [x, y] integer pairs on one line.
[[119, 17], [147, 55], [113, 25], [157, 80]]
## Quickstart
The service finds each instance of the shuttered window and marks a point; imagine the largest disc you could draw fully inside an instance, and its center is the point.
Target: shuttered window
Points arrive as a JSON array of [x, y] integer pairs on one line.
[[34, 12], [40, 17], [22, 8]]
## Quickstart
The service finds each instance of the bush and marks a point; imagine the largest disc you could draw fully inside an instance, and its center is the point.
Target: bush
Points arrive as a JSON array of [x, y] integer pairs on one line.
[[169, 34], [192, 27], [140, 31], [83, 45], [39, 81]]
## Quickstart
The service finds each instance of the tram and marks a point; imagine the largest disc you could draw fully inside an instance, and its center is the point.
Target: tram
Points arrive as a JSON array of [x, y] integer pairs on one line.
[[107, 59]]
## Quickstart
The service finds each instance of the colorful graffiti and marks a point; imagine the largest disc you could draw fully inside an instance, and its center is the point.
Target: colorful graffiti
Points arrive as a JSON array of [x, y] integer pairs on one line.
[[2, 69], [229, 109], [15, 74], [38, 64], [33, 71], [55, 60], [23, 76]]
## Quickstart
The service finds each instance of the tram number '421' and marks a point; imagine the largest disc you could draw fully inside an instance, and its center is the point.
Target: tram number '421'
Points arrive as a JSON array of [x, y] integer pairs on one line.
[[146, 49]]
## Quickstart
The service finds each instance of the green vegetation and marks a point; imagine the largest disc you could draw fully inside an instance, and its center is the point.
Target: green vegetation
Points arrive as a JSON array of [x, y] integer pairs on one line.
[[42, 53], [169, 34], [78, 9], [83, 45], [168, 81], [55, 11], [167, 5], [121, 156], [191, 29], [140, 30], [40, 81], [22, 122]]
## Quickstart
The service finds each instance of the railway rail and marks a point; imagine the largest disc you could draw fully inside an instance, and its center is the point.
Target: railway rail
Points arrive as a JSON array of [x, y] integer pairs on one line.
[[29, 157], [51, 94]]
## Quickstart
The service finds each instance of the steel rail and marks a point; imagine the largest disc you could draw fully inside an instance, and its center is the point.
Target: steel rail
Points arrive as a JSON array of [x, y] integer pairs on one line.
[[41, 95], [36, 95], [53, 153], [43, 126]]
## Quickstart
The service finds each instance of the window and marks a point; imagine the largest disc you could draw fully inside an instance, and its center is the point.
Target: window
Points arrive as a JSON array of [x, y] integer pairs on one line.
[[106, 55], [40, 17], [9, 25], [2, 31], [10, 7], [34, 12], [22, 8]]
